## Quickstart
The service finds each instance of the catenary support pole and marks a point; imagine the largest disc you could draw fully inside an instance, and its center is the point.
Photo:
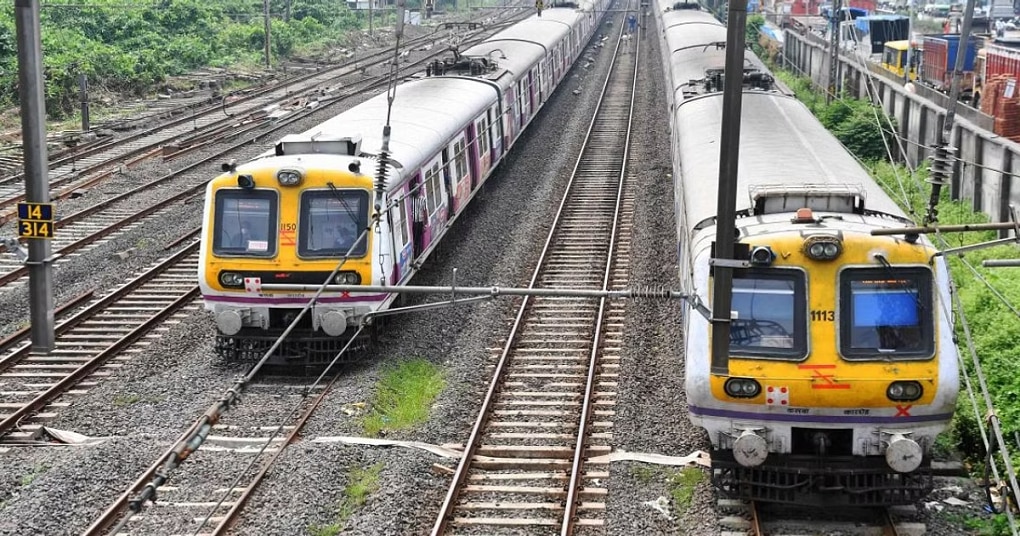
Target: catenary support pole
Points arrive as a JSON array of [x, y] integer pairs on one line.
[[83, 90], [835, 20], [729, 155], [37, 188], [265, 17]]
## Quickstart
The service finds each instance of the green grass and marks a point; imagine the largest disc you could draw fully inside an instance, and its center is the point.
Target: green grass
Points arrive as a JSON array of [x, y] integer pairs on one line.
[[644, 473], [986, 525], [404, 395], [30, 477], [361, 482], [681, 486], [123, 400]]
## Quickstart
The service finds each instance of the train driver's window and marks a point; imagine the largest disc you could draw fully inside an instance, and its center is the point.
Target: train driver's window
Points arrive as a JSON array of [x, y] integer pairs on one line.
[[245, 223], [768, 314], [331, 222], [886, 312]]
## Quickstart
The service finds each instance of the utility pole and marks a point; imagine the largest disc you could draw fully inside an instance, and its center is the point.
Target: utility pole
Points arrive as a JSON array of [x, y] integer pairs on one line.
[[286, 11], [729, 157], [265, 16], [910, 40], [942, 153], [837, 18], [83, 92], [371, 14], [37, 188]]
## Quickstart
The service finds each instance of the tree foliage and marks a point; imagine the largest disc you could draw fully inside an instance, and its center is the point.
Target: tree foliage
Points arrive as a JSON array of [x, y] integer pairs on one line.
[[130, 45], [860, 126]]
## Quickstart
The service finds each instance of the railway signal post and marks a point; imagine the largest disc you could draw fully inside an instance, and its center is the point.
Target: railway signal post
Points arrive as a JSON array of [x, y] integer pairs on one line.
[[37, 226]]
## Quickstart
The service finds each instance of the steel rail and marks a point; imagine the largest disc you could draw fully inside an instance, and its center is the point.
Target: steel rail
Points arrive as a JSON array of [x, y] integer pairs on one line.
[[756, 529], [488, 404], [102, 172], [21, 334], [18, 273], [57, 389], [889, 525], [216, 104], [575, 473]]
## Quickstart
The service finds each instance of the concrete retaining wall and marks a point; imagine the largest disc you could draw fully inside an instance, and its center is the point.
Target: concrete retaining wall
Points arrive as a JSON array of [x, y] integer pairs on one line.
[[983, 172]]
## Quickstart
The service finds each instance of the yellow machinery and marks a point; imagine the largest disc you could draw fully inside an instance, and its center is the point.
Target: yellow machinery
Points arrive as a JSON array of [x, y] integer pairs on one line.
[[894, 57]]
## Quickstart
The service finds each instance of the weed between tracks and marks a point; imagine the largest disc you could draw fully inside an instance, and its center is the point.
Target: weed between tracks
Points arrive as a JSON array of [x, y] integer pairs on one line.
[[361, 482], [404, 396], [37, 471], [681, 486]]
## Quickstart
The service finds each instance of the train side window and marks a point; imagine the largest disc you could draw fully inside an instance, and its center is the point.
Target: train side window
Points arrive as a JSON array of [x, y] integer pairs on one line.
[[886, 313], [330, 223], [769, 316], [245, 223]]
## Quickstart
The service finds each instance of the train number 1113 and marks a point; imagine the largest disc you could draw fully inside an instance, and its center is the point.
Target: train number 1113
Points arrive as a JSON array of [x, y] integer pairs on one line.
[[821, 315]]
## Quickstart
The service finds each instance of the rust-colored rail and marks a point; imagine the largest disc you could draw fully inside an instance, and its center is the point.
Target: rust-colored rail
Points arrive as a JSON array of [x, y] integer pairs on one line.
[[555, 373]]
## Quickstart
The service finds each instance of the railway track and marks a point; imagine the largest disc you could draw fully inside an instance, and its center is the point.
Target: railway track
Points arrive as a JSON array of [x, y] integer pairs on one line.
[[95, 225], [209, 492], [92, 344], [95, 162], [754, 519], [527, 465]]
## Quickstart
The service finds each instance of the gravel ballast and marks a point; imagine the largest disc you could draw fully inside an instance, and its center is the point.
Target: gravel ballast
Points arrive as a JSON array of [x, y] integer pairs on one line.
[[159, 392]]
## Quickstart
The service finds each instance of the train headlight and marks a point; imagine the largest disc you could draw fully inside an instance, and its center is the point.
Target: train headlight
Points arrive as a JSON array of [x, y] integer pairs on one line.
[[288, 177], [231, 279], [762, 256], [823, 249], [347, 278], [742, 387], [904, 391], [246, 181]]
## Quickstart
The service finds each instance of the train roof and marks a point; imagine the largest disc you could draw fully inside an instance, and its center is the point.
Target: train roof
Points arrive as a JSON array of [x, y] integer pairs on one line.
[[692, 50], [774, 128], [524, 43], [418, 131]]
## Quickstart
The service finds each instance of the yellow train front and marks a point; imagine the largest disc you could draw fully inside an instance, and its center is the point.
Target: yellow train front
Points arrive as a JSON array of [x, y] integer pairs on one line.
[[288, 219], [841, 369]]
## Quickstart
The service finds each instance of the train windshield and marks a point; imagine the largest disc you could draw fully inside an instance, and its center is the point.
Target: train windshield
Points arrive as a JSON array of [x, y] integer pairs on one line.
[[245, 223], [331, 221], [768, 314], [886, 312]]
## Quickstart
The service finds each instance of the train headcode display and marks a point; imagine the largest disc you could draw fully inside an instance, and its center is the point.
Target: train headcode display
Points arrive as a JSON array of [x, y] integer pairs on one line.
[[35, 220]]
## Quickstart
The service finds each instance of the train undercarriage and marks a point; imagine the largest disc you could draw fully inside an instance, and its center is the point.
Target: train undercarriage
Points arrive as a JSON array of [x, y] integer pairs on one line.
[[820, 481], [303, 347]]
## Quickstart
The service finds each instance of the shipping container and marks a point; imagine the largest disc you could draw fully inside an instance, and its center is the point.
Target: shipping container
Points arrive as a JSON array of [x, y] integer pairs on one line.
[[940, 57], [1001, 60]]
